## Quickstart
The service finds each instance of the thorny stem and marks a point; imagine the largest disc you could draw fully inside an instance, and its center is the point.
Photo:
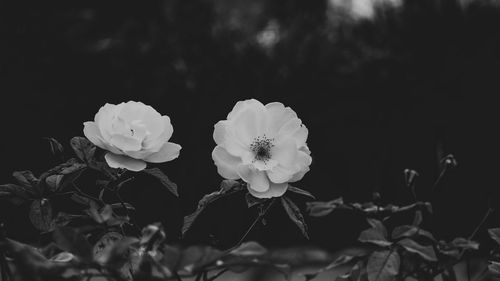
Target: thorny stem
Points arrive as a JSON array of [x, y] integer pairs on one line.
[[259, 218]]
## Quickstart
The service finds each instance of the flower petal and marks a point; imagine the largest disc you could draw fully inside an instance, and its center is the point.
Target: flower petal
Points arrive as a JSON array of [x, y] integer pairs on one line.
[[125, 143], [169, 151], [104, 119], [123, 161], [285, 152], [155, 141], [275, 190], [257, 180], [279, 174], [92, 133], [304, 160], [220, 132], [226, 163], [278, 115]]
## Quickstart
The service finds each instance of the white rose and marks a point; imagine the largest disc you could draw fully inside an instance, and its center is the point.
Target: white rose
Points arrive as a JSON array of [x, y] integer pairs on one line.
[[264, 145], [133, 133]]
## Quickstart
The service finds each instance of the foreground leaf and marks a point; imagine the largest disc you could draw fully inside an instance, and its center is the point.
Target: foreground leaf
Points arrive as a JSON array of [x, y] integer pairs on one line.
[[426, 252], [383, 265], [295, 215], [71, 240], [83, 148], [377, 234], [409, 231], [164, 180], [300, 191], [227, 187], [341, 260], [495, 234], [41, 214]]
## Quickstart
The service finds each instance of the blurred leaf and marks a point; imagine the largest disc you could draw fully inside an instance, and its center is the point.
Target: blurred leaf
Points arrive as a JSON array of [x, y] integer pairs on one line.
[[71, 240], [449, 274], [170, 257], [495, 234], [252, 200], [63, 257], [410, 177], [494, 268], [41, 215], [465, 244], [320, 209], [25, 178], [300, 191], [165, 181], [15, 193], [377, 234], [295, 215], [383, 265], [249, 249], [341, 260], [195, 257], [426, 252], [417, 220], [227, 187], [55, 147], [103, 248], [53, 182], [409, 231], [83, 148]]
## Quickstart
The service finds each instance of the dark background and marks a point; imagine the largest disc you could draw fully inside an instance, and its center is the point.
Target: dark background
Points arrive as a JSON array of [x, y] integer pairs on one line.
[[399, 90]]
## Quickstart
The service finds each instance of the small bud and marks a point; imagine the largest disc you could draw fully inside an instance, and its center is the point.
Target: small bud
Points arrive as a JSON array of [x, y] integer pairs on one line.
[[449, 161], [410, 176]]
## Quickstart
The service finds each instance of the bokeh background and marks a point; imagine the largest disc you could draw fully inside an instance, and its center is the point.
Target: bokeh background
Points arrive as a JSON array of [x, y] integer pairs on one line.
[[381, 85]]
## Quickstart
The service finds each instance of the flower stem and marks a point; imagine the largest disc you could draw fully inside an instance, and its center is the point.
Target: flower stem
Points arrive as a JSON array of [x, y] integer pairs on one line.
[[478, 227], [259, 218]]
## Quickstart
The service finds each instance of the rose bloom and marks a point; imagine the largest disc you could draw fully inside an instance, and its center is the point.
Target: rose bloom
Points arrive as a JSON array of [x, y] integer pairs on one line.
[[264, 145], [133, 133]]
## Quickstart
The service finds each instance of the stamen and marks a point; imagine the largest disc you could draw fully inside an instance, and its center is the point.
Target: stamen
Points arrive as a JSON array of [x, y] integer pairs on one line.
[[261, 146]]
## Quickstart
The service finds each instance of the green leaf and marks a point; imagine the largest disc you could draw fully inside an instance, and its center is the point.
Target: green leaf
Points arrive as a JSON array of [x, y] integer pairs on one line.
[[227, 187], [165, 181], [495, 234], [54, 182], [196, 257], [410, 231], [295, 215], [300, 191], [252, 200], [102, 248], [7, 190], [494, 268], [249, 249], [73, 241], [83, 148], [341, 260], [321, 209], [41, 214], [377, 234], [63, 257], [426, 252], [25, 178], [465, 244], [383, 265], [55, 147]]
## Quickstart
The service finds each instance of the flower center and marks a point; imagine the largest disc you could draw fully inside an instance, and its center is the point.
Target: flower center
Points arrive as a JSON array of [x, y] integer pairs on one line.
[[261, 146]]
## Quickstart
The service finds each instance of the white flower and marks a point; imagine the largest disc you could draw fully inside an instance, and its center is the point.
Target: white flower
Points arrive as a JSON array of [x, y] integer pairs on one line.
[[264, 145], [133, 133]]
